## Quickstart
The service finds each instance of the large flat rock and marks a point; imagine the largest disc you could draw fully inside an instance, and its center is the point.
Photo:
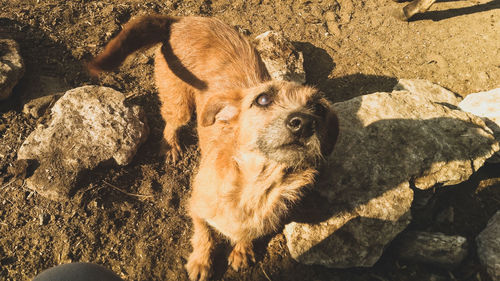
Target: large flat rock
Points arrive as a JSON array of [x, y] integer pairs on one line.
[[413, 136]]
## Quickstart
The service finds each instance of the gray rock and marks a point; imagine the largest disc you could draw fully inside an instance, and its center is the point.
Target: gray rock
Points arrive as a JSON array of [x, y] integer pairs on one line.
[[439, 94], [449, 103], [487, 106], [387, 141], [488, 182], [40, 86], [282, 60], [88, 126], [11, 67], [434, 248], [37, 107], [488, 247]]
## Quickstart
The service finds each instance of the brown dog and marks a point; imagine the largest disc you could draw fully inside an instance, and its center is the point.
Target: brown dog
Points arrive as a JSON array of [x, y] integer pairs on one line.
[[261, 141]]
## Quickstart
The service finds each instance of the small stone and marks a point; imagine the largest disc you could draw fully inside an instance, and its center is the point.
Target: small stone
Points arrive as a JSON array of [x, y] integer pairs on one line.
[[37, 107], [433, 248], [282, 60], [11, 67], [44, 219], [486, 183]]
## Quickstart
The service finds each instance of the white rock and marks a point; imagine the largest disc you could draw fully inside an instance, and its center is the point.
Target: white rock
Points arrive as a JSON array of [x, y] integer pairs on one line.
[[88, 125], [487, 106], [387, 141]]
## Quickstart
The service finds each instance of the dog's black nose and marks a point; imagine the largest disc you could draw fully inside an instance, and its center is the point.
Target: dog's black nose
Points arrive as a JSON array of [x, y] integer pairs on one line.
[[300, 124]]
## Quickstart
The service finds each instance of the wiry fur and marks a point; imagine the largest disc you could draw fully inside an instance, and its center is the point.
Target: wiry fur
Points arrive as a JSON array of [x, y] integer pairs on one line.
[[252, 167], [198, 57]]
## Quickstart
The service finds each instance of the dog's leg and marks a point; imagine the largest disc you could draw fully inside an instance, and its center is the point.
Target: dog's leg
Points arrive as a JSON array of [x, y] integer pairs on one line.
[[199, 263], [242, 251], [177, 104], [176, 112]]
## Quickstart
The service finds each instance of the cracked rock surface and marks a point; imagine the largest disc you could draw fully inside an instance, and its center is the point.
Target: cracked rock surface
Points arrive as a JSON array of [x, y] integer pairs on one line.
[[388, 142], [88, 126]]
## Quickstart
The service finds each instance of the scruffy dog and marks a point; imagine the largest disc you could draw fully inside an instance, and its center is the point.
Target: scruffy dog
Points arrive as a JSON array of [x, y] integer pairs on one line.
[[261, 141]]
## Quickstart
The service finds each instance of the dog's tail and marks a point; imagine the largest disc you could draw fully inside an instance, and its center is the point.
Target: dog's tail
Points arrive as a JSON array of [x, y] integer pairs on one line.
[[139, 33]]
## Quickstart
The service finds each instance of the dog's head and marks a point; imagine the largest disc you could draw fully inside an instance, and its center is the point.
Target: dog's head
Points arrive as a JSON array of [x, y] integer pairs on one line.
[[287, 122]]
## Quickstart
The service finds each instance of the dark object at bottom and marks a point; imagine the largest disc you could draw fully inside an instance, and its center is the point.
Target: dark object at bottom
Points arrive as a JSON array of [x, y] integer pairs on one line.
[[77, 272]]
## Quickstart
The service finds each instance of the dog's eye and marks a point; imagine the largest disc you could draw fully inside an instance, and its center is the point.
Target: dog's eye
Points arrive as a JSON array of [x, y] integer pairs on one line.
[[263, 100]]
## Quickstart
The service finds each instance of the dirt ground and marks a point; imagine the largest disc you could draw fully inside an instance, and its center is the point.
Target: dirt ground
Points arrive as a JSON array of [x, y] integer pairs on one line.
[[133, 219]]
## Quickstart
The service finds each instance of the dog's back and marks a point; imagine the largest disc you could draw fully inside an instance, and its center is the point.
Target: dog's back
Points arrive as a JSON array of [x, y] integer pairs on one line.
[[217, 54], [203, 52]]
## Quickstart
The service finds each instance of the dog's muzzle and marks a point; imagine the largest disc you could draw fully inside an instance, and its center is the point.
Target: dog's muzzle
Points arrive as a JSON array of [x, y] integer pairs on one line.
[[293, 139]]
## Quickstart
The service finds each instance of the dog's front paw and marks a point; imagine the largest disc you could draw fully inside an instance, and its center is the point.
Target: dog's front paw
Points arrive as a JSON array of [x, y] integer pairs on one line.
[[242, 252], [174, 154], [172, 151], [198, 269]]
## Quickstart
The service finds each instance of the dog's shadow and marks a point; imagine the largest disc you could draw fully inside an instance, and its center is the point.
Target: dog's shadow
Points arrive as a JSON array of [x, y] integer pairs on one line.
[[318, 65]]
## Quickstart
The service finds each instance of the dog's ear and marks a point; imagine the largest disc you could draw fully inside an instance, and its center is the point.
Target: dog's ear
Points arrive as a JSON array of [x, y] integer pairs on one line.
[[330, 135], [220, 108]]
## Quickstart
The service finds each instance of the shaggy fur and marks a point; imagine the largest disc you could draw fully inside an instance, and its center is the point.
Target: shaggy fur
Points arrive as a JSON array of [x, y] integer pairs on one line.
[[261, 141]]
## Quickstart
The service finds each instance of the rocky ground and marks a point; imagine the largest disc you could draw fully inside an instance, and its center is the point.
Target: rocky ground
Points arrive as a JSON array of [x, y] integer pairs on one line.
[[132, 219]]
